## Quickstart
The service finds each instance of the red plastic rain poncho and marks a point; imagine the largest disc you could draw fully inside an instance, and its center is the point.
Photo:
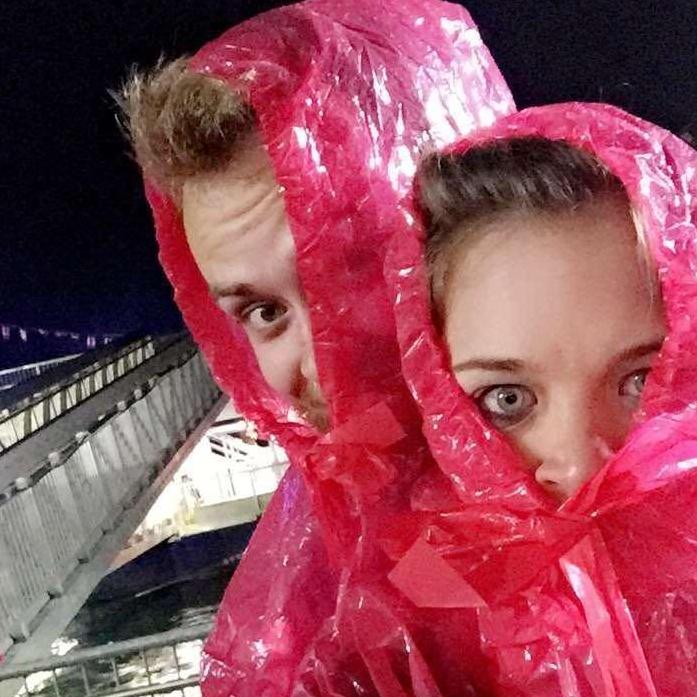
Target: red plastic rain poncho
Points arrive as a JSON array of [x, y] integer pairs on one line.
[[394, 565], [347, 93], [600, 597]]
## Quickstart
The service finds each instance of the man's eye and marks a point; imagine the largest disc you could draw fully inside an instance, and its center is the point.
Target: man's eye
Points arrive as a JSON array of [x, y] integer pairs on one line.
[[633, 385], [506, 405], [262, 316]]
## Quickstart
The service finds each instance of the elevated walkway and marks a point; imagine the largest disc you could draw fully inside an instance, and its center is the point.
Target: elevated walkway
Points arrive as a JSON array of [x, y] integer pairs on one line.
[[82, 460]]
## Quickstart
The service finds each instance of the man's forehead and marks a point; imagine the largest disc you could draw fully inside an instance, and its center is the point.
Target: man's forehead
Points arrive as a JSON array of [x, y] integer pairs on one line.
[[241, 265], [239, 248], [235, 201]]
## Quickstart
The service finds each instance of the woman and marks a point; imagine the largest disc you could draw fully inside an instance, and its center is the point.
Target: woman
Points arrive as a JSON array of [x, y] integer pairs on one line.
[[547, 297], [546, 238]]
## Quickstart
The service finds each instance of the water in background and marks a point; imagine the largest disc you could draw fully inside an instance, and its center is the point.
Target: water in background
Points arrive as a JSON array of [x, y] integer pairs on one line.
[[182, 604]]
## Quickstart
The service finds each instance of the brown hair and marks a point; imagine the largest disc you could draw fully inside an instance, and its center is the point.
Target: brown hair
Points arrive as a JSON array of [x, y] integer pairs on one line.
[[461, 192], [182, 124]]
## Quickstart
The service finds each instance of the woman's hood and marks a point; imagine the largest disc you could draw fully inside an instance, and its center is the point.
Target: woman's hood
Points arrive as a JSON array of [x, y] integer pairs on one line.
[[599, 597], [659, 173]]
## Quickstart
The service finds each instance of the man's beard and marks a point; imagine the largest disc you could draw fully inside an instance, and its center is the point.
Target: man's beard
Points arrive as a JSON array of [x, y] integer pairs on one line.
[[313, 406]]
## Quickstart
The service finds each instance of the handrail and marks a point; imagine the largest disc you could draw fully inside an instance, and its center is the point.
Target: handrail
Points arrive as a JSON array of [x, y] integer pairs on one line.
[[37, 365], [73, 377], [31, 414], [106, 651], [56, 458], [12, 377]]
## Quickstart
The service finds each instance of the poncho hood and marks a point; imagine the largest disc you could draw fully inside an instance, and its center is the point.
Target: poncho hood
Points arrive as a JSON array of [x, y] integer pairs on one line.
[[598, 597], [348, 94]]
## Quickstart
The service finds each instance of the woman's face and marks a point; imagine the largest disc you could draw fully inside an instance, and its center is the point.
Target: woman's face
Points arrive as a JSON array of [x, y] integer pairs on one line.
[[552, 329]]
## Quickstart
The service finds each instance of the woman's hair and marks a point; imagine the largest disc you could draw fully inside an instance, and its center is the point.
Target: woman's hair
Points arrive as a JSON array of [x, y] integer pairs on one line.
[[182, 124], [459, 193]]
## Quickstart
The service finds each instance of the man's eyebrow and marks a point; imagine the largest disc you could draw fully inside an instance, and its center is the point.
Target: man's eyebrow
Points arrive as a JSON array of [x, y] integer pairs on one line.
[[509, 365], [240, 290], [639, 351]]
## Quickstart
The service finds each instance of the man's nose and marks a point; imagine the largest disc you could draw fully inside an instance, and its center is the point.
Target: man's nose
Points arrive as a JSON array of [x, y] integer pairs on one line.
[[575, 453], [308, 366]]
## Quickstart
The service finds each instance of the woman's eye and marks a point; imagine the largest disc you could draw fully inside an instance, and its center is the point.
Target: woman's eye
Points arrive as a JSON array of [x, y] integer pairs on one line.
[[506, 405], [263, 316], [633, 385]]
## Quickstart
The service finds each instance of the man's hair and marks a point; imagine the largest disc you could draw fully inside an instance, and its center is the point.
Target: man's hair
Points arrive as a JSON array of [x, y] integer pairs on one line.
[[182, 124], [461, 193]]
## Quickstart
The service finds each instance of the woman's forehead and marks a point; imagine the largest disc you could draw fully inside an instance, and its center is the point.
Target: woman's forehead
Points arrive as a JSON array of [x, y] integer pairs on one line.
[[531, 286]]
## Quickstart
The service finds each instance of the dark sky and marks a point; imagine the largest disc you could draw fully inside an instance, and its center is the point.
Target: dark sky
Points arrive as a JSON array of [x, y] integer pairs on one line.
[[77, 246]]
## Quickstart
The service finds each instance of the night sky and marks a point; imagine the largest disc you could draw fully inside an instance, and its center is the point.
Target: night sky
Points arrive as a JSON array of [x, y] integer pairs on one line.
[[78, 250]]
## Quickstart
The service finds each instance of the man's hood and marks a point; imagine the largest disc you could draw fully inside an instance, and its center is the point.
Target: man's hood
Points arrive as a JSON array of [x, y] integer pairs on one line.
[[348, 95]]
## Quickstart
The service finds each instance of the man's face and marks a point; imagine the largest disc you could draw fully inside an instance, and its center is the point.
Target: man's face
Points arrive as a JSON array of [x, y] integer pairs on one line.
[[237, 231]]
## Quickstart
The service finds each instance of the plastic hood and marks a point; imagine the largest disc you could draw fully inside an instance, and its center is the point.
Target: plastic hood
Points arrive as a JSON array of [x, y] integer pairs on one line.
[[598, 598]]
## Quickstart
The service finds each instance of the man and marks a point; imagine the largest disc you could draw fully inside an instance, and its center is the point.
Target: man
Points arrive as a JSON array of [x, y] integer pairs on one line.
[[277, 162], [198, 140]]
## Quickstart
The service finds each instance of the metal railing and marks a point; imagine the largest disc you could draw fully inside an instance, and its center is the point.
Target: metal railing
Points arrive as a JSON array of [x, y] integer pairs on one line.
[[151, 665], [240, 481], [52, 519], [9, 377], [33, 413]]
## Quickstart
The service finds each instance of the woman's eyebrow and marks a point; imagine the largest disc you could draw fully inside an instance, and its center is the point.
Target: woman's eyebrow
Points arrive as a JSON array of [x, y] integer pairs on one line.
[[639, 351], [509, 365]]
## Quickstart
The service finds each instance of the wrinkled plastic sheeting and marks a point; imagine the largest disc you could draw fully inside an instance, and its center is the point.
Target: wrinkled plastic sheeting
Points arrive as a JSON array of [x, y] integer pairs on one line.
[[598, 598], [393, 564], [348, 94]]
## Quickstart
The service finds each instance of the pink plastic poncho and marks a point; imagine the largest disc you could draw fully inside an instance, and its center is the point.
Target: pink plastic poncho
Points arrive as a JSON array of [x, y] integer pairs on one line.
[[347, 93], [599, 597], [433, 567]]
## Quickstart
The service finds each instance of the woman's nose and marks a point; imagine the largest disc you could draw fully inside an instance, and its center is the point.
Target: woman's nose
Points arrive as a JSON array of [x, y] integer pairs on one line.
[[573, 457]]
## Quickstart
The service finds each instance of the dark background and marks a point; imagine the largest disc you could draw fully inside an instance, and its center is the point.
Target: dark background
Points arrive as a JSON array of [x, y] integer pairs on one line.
[[78, 251]]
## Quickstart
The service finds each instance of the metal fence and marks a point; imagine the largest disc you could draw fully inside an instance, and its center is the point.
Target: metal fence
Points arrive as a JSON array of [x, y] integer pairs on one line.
[[9, 377], [23, 419], [152, 665], [243, 476], [52, 519]]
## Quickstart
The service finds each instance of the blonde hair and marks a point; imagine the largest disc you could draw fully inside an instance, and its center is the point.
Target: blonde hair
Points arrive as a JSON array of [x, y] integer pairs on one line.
[[182, 124]]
